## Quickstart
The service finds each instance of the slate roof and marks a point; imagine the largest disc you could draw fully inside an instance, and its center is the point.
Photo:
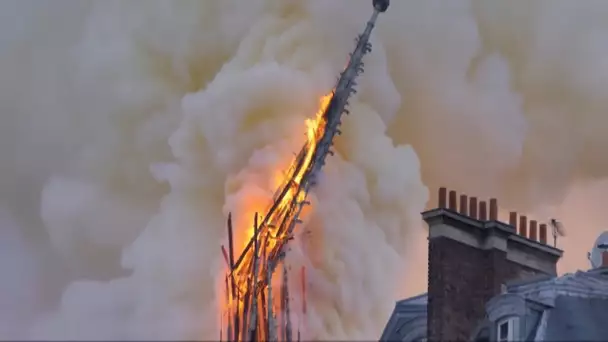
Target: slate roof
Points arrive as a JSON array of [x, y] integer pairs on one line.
[[578, 319], [573, 307], [593, 283], [408, 320], [577, 306]]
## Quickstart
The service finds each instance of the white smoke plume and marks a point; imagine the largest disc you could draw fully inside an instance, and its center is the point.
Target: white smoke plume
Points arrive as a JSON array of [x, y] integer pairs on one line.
[[128, 130]]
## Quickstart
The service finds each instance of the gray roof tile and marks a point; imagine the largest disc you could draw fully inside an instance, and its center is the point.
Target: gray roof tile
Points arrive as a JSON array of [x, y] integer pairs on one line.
[[578, 319], [575, 309], [407, 320]]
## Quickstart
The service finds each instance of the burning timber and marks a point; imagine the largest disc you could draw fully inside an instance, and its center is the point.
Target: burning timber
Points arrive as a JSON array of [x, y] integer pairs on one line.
[[254, 312]]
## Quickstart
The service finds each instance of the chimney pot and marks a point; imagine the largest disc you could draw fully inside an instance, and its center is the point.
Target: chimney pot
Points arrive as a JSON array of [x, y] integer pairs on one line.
[[493, 209], [464, 201], [452, 200], [523, 226], [443, 194], [513, 219], [533, 230], [542, 233], [483, 211], [473, 207], [604, 258]]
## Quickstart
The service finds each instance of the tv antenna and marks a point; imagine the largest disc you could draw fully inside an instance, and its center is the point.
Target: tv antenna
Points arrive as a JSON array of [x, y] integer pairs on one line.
[[557, 230], [600, 246]]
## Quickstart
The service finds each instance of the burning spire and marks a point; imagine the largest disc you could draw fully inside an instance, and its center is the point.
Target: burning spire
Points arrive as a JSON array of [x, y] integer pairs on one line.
[[252, 312]]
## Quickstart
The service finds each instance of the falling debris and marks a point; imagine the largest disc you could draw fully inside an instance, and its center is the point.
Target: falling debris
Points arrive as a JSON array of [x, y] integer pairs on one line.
[[251, 311]]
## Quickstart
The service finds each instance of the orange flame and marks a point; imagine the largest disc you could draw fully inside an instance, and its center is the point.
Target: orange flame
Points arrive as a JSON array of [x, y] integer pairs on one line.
[[314, 131], [289, 181]]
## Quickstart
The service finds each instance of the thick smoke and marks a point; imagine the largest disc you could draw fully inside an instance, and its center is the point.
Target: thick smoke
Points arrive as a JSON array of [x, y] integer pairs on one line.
[[129, 130]]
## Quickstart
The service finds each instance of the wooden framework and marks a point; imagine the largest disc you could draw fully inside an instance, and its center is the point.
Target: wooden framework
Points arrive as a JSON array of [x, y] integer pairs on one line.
[[253, 311]]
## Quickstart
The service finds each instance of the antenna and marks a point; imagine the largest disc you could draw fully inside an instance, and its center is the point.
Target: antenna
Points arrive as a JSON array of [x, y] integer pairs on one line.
[[558, 230], [600, 245]]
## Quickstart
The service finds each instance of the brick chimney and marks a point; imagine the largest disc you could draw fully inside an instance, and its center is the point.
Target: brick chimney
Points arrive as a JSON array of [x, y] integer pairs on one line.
[[472, 256]]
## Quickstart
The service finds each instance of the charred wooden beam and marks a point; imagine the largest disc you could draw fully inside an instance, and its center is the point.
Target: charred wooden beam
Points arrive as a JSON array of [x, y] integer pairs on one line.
[[287, 313], [254, 281]]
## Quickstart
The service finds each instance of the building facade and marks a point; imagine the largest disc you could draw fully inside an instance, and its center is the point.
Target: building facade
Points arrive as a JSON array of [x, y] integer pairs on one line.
[[494, 281]]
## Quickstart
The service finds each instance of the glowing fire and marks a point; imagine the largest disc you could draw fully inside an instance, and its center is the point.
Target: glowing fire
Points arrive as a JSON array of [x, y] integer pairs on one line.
[[314, 131], [272, 228]]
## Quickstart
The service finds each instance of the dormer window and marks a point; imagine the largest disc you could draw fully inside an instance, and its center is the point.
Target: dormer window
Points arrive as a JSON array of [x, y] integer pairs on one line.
[[506, 330]]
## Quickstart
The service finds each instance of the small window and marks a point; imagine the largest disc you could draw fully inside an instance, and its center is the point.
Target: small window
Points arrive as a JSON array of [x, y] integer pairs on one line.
[[506, 330]]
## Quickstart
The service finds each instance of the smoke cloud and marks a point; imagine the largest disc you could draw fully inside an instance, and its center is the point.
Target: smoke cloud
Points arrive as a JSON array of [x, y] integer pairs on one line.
[[128, 131]]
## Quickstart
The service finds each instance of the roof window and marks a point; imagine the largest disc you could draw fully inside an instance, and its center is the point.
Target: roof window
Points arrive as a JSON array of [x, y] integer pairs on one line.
[[506, 329]]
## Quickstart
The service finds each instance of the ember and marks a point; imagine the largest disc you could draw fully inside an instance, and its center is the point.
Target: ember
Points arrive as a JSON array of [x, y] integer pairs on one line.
[[251, 311]]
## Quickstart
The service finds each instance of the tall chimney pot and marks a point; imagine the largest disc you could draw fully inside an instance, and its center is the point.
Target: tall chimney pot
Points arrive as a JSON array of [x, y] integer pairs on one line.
[[523, 226], [493, 209], [452, 200], [443, 194], [464, 201], [473, 207], [513, 219], [483, 211], [542, 233], [533, 230]]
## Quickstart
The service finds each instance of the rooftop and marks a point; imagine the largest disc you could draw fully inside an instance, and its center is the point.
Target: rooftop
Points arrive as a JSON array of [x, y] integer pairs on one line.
[[571, 307], [408, 320]]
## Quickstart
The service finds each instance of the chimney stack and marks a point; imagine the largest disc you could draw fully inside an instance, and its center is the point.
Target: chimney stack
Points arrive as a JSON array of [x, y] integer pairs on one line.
[[460, 245], [488, 211], [466, 238]]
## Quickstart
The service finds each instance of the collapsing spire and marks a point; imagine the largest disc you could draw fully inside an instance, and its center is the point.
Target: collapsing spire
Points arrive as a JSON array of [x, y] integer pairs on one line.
[[252, 311]]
